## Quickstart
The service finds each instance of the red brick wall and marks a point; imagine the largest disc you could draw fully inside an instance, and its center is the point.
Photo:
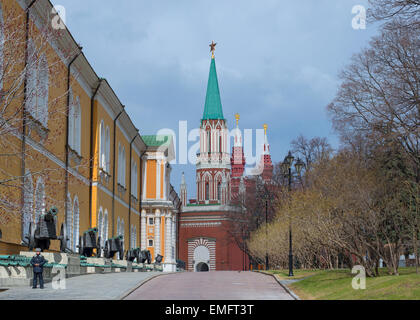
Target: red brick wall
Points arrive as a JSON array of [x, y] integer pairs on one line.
[[228, 255]]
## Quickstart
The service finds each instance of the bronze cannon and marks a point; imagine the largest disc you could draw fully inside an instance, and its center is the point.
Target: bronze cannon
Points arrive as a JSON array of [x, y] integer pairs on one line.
[[145, 256], [114, 245], [88, 242], [44, 230]]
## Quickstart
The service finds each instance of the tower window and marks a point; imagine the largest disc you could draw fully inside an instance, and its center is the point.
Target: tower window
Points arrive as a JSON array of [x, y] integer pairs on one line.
[[150, 243], [207, 191], [151, 221], [208, 141]]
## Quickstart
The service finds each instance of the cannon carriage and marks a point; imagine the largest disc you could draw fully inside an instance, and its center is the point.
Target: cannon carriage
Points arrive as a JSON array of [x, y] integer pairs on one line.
[[133, 254], [113, 246], [158, 259], [145, 256], [138, 255], [88, 242], [44, 230]]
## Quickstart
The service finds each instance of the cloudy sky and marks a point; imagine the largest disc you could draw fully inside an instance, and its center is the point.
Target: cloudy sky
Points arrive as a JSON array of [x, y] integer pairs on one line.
[[277, 61]]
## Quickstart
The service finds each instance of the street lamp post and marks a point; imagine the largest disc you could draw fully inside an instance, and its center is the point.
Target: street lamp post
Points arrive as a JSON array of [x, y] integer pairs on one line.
[[287, 170]]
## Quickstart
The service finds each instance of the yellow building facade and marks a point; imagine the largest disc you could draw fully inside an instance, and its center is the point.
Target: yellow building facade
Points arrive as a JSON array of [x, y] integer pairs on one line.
[[67, 140]]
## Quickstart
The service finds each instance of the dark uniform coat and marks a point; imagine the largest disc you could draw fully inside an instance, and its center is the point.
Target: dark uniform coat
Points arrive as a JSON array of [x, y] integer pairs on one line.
[[38, 259]]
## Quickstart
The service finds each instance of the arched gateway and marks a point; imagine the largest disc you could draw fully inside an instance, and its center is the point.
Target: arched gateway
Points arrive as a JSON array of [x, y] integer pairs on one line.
[[201, 258]]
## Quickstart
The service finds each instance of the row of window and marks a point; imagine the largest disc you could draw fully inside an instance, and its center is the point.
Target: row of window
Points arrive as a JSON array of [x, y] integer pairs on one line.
[[37, 88], [37, 93], [104, 160], [103, 228], [34, 209], [219, 191], [75, 118], [73, 223], [35, 205]]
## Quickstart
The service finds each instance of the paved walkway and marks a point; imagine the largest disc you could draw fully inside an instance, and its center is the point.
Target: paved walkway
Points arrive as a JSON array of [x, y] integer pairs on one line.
[[106, 286], [217, 285]]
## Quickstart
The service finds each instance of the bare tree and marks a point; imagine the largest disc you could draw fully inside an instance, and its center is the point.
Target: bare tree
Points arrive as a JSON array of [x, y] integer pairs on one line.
[[403, 13], [380, 93], [30, 71], [312, 150]]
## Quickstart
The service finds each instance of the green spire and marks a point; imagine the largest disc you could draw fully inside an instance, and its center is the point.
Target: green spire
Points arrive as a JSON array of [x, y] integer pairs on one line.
[[213, 106]]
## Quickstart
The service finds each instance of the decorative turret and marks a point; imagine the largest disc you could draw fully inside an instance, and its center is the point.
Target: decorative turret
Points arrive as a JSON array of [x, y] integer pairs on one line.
[[267, 173], [183, 191], [237, 161]]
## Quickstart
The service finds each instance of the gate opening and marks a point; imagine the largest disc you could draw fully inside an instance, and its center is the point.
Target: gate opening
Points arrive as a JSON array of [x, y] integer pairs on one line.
[[202, 267]]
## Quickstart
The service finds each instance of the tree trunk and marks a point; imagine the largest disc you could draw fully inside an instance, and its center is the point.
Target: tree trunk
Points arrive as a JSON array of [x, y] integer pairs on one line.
[[415, 250]]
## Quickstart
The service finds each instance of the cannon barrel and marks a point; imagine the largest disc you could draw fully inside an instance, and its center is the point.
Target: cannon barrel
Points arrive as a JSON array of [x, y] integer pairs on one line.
[[53, 211], [49, 216], [92, 230], [120, 237]]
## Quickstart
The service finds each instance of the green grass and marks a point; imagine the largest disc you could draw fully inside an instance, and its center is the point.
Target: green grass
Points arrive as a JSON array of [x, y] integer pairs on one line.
[[336, 285], [298, 274]]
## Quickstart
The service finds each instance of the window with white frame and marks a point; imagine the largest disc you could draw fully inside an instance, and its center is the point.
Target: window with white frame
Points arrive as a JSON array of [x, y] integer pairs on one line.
[[75, 124], [107, 149], [37, 85], [102, 145], [76, 220], [134, 179], [209, 141], [133, 237], [122, 229], [151, 221], [101, 224], [118, 226], [39, 199], [150, 244], [121, 165], [105, 231], [69, 222], [28, 204]]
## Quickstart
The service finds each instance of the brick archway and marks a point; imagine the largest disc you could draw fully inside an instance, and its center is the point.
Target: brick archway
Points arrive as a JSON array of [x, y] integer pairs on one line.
[[210, 244]]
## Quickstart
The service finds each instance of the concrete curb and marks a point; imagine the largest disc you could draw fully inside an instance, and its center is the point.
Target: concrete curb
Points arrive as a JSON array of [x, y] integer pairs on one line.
[[288, 290], [128, 292]]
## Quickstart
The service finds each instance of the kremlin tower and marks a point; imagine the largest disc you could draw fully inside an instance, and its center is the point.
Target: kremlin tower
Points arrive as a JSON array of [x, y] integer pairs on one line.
[[206, 242], [237, 161], [213, 163], [267, 173]]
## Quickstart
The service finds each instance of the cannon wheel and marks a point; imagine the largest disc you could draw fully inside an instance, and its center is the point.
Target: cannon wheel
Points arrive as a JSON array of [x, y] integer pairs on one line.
[[63, 238], [98, 248], [31, 236]]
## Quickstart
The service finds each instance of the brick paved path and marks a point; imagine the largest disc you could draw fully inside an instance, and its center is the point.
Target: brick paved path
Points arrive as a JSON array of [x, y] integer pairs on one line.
[[87, 287], [218, 285]]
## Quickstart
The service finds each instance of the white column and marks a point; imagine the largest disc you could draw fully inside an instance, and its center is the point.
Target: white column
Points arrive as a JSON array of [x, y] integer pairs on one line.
[[173, 236], [143, 230], [157, 233], [168, 238]]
